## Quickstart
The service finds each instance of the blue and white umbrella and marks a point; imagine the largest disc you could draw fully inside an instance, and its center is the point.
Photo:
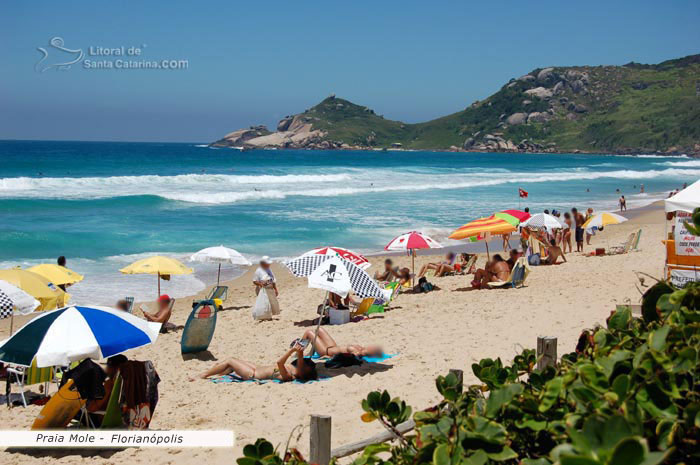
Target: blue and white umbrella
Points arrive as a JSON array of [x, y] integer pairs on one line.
[[74, 333]]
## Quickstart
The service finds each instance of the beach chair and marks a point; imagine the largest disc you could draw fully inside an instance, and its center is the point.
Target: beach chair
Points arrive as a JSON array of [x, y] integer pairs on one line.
[[218, 292], [363, 308], [517, 277], [130, 303], [28, 376], [626, 246], [635, 245], [112, 418]]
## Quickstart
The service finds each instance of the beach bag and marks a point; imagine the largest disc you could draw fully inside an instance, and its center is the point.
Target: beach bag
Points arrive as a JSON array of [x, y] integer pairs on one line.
[[534, 259], [423, 286], [262, 309]]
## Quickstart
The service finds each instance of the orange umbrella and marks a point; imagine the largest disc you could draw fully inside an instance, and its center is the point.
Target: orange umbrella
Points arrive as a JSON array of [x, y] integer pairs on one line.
[[477, 228]]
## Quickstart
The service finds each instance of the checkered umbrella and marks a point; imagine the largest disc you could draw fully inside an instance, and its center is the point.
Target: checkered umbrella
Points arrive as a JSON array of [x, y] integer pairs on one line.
[[334, 273], [12, 297], [5, 305]]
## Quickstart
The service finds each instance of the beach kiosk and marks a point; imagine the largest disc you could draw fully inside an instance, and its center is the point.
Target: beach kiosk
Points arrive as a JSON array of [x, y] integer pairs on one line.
[[682, 248]]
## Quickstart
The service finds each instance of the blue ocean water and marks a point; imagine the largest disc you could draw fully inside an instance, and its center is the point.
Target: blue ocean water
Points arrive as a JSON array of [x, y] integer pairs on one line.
[[103, 205]]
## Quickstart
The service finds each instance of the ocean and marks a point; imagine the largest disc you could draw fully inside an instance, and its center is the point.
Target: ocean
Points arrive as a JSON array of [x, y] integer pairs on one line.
[[104, 205]]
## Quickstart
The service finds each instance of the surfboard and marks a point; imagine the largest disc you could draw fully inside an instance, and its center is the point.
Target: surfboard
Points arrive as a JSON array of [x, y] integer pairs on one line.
[[199, 328], [60, 409]]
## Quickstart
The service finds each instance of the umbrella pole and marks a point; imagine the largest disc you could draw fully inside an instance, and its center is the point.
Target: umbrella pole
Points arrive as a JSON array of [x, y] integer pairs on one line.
[[488, 257], [218, 275], [413, 267], [12, 321], [318, 326], [158, 296]]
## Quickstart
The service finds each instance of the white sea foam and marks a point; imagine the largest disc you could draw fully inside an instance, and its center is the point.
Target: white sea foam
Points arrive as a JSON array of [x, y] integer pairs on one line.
[[681, 164], [222, 188]]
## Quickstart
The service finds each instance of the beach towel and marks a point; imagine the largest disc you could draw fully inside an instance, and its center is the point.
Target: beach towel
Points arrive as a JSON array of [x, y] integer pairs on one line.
[[366, 358]]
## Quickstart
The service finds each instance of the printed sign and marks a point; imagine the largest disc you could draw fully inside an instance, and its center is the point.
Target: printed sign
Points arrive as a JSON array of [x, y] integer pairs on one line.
[[680, 278], [686, 243]]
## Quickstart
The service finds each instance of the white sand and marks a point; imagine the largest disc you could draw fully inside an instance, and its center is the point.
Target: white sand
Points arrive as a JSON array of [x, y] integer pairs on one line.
[[432, 333]]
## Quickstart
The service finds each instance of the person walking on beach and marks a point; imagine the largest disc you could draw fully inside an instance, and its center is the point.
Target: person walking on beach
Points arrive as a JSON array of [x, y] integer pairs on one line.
[[264, 277], [61, 261], [623, 203]]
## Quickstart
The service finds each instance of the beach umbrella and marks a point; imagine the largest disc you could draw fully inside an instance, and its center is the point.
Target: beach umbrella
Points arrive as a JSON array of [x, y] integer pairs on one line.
[[43, 290], [74, 333], [543, 220], [411, 241], [334, 273], [603, 219], [483, 228], [346, 254], [57, 274], [220, 254], [507, 217], [15, 300], [520, 215], [158, 265]]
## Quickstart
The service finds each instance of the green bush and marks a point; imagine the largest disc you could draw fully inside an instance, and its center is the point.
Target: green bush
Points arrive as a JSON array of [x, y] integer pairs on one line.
[[629, 395]]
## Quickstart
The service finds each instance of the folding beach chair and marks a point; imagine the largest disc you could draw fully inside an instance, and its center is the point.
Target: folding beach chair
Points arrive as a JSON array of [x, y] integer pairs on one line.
[[635, 245], [517, 277], [625, 247], [218, 292], [112, 418], [28, 376], [130, 304]]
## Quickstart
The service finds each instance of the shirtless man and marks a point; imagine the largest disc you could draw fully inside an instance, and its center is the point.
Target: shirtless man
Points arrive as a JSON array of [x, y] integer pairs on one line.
[[162, 315], [553, 253], [496, 270], [390, 272]]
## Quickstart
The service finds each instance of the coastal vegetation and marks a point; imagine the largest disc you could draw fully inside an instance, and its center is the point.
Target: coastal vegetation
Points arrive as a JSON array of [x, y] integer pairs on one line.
[[628, 395], [625, 109]]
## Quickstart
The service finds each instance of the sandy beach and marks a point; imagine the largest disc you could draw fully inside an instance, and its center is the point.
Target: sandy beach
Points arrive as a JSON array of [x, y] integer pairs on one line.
[[431, 333]]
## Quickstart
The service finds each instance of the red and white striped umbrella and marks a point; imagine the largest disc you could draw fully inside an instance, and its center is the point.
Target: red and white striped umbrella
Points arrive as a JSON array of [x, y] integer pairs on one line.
[[348, 255], [411, 241]]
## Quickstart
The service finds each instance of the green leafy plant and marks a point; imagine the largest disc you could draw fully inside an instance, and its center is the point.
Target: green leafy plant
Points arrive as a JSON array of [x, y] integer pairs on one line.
[[629, 395]]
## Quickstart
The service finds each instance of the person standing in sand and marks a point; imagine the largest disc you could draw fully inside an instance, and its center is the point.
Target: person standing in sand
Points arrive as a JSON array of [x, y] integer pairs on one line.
[[578, 228], [264, 277], [566, 238], [623, 203]]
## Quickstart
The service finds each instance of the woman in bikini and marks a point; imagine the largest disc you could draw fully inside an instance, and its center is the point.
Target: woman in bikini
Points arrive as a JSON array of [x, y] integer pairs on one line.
[[566, 240], [302, 369], [325, 345]]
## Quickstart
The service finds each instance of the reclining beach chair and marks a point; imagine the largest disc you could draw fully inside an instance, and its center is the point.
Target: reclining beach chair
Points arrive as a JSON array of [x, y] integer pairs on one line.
[[635, 245], [625, 247], [28, 376], [130, 302], [218, 292], [517, 277]]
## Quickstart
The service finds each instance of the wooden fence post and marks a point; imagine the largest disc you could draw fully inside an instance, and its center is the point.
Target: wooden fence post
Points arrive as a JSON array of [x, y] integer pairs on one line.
[[320, 439], [460, 376], [546, 352]]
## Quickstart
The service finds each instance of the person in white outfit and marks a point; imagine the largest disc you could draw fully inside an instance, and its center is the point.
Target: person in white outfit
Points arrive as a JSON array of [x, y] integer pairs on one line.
[[264, 276]]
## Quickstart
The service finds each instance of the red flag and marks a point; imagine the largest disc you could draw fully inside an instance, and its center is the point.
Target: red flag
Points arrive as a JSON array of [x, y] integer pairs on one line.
[[522, 193]]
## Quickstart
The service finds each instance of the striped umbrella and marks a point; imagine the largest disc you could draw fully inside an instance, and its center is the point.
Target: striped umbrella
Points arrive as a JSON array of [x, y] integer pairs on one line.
[[603, 219], [348, 255], [478, 229], [73, 333], [411, 241], [520, 215]]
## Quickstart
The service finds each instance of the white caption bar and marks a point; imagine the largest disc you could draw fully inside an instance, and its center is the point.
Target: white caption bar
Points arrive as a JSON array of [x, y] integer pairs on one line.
[[103, 438]]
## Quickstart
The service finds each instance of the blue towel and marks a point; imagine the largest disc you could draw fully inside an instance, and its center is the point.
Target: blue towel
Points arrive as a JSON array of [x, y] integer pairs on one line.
[[368, 359], [233, 378]]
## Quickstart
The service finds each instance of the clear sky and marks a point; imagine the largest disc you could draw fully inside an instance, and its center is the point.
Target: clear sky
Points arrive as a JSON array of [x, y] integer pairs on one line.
[[255, 62]]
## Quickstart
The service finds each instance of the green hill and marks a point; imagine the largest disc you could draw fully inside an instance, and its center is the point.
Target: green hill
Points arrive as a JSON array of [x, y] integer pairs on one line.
[[630, 108]]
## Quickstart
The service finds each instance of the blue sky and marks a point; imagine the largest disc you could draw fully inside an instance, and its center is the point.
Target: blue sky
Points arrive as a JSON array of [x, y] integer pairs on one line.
[[255, 62]]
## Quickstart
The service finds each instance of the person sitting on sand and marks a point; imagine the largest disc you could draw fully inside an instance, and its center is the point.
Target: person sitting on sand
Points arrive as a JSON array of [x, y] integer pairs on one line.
[[553, 254], [302, 369], [449, 260], [404, 276], [445, 269], [389, 273], [163, 314], [494, 271], [325, 345]]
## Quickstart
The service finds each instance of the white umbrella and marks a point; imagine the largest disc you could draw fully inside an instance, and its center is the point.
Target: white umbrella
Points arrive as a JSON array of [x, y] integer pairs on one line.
[[15, 300], [543, 220], [220, 254], [602, 219]]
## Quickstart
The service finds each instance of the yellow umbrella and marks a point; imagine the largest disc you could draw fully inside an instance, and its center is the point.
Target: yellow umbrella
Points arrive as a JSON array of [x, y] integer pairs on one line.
[[159, 265], [477, 228], [43, 290], [603, 219], [56, 274]]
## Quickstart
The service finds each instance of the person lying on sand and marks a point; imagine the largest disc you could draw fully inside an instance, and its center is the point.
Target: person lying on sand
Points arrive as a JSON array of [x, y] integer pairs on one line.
[[302, 368], [445, 269], [389, 273], [495, 270], [553, 253], [449, 260], [326, 346]]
